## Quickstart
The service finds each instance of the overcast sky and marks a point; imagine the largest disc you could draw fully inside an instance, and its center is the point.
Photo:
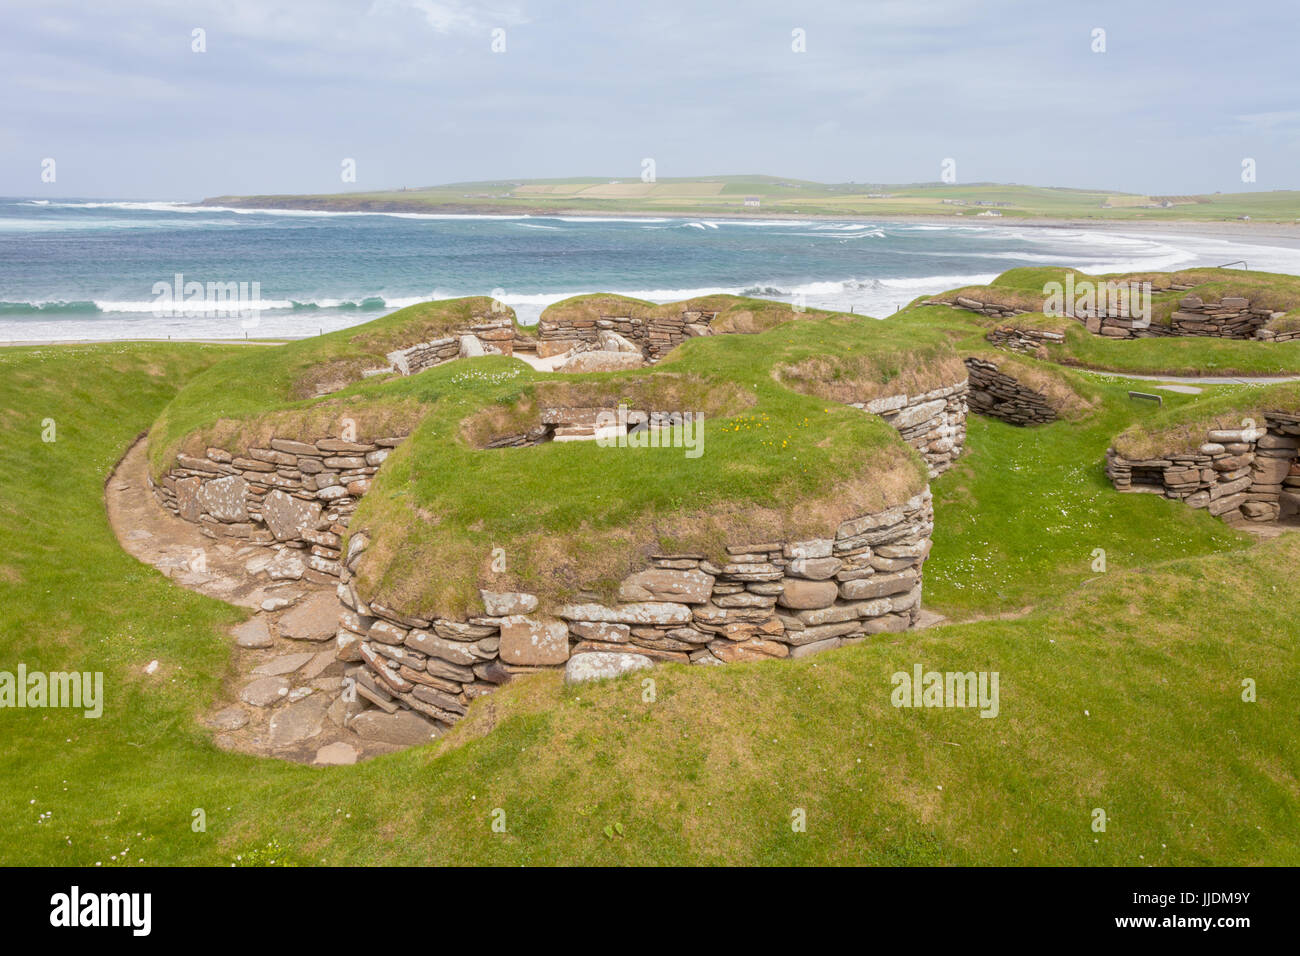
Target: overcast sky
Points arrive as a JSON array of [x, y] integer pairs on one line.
[[412, 90]]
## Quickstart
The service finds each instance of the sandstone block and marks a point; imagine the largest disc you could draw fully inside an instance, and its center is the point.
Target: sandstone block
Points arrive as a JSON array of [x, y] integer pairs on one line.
[[601, 665], [801, 594], [534, 643], [226, 499], [661, 584], [288, 517], [645, 612], [504, 603], [878, 585]]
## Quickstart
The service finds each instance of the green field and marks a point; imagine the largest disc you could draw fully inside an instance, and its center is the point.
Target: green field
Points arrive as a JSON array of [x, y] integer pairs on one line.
[[1119, 690], [727, 195]]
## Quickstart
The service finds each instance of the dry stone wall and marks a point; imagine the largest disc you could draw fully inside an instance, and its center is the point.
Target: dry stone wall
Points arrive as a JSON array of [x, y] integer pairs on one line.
[[1232, 317], [488, 335], [766, 600], [1246, 473], [1027, 341], [991, 309], [933, 422], [296, 496], [999, 395]]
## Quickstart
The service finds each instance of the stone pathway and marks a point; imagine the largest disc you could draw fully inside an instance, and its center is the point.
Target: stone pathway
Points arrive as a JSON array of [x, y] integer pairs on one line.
[[286, 699]]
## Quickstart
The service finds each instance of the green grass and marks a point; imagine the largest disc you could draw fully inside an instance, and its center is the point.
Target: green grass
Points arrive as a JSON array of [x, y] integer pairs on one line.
[[1025, 509], [1121, 693]]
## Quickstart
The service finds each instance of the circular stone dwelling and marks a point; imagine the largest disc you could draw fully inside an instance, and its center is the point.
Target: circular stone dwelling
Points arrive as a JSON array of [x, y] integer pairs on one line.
[[628, 484]]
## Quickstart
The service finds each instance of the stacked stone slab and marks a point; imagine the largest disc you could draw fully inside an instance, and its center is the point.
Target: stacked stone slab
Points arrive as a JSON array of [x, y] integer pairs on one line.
[[294, 495], [767, 600], [933, 422], [1027, 341], [1269, 335], [1245, 473], [991, 309], [487, 335], [999, 395], [656, 336], [1232, 317]]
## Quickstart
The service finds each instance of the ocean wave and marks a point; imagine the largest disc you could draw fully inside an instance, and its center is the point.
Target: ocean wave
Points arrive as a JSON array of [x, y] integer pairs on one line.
[[171, 206], [48, 308]]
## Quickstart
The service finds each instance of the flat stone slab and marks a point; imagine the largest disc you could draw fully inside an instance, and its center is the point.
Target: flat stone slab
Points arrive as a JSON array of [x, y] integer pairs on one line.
[[404, 728], [288, 517], [286, 566], [229, 718], [319, 662], [601, 665], [284, 664], [299, 721], [336, 755], [253, 633], [314, 619], [265, 691]]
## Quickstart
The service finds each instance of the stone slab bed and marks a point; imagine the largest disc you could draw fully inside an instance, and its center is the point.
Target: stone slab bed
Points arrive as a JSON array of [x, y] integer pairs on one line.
[[765, 600], [1249, 474], [999, 395], [608, 343]]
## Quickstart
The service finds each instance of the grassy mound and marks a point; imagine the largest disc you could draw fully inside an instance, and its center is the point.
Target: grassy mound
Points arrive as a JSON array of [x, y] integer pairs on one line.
[[252, 395], [734, 313]]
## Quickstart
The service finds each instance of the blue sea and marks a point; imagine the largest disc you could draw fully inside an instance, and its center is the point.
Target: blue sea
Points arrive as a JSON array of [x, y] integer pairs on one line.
[[73, 269]]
